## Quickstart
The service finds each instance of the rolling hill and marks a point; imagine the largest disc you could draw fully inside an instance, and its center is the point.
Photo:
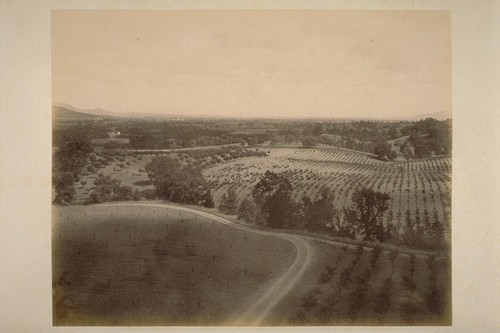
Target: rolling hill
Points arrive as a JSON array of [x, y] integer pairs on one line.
[[60, 112]]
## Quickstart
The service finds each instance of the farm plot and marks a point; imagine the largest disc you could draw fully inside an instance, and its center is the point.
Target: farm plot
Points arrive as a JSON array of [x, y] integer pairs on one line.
[[370, 287], [419, 189], [131, 265], [128, 167]]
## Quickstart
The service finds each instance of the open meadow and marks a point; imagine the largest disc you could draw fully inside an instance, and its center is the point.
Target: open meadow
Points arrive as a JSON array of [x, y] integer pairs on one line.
[[130, 265]]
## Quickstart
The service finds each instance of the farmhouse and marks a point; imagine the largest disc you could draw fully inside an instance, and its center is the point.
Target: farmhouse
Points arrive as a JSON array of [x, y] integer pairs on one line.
[[114, 134]]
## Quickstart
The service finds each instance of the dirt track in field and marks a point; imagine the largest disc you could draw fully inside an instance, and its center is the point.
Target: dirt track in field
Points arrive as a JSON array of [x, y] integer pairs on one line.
[[255, 310]]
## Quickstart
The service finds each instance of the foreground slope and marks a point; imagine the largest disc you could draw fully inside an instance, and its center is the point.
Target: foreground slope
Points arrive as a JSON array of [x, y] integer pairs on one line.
[[143, 265]]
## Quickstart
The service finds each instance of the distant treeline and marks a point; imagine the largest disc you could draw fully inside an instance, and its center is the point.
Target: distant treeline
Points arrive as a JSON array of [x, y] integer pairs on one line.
[[429, 137], [415, 139]]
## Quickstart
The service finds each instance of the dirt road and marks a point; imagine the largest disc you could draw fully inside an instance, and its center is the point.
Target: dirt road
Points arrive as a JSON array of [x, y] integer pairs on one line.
[[264, 300]]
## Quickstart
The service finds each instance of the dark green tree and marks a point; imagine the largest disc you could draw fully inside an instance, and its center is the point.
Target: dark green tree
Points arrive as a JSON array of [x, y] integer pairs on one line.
[[247, 211], [412, 231], [341, 225], [317, 129], [207, 199], [318, 215], [176, 183], [105, 191], [123, 193], [229, 202], [273, 194], [309, 142], [366, 212], [73, 155], [383, 149], [65, 189]]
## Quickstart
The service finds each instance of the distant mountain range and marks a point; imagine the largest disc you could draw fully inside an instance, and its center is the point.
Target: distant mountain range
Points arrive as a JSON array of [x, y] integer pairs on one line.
[[62, 110], [436, 115]]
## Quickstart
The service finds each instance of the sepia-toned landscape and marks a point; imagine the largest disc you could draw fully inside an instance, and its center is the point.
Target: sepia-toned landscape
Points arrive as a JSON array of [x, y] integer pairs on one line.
[[186, 211]]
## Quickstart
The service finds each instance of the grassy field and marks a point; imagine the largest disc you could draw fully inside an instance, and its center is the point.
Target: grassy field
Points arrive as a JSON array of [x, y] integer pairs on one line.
[[152, 266]]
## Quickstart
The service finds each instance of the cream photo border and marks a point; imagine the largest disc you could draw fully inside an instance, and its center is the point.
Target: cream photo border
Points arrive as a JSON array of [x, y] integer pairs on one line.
[[25, 163]]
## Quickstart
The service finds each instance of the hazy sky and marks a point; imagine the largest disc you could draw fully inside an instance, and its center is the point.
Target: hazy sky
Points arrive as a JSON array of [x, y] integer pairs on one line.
[[254, 63]]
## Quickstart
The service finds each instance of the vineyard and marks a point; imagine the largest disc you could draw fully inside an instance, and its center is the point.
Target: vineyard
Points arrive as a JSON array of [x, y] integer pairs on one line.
[[358, 286], [137, 265], [419, 189], [128, 167]]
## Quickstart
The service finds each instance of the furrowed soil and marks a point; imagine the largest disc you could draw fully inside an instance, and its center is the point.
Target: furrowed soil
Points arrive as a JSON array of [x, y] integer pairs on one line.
[[131, 265]]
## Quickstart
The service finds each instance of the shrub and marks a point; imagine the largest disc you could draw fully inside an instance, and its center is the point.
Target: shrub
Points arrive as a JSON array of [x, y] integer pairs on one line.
[[65, 190], [123, 193], [144, 182], [148, 194], [248, 211]]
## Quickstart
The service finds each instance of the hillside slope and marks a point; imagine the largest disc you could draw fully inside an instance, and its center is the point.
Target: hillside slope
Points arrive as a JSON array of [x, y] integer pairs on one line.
[[59, 112]]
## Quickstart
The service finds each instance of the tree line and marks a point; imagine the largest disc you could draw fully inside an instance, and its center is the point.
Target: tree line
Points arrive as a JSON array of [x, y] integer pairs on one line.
[[67, 166], [271, 204]]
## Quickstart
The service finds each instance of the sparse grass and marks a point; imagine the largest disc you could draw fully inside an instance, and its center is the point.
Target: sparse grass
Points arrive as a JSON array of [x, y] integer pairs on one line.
[[152, 266]]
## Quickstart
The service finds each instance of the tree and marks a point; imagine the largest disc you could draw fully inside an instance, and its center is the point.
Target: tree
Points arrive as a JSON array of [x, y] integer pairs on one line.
[[176, 183], [393, 132], [229, 203], [436, 233], [318, 215], [368, 208], [207, 199], [65, 189], [309, 142], [317, 129], [73, 155], [106, 189], [429, 136], [123, 193], [247, 211], [341, 226], [273, 194], [383, 149], [421, 148]]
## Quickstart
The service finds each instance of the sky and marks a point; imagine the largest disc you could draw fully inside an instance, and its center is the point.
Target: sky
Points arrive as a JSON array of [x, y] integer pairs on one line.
[[250, 63]]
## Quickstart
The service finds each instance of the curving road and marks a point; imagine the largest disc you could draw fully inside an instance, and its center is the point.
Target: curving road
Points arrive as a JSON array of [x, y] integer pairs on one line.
[[271, 293]]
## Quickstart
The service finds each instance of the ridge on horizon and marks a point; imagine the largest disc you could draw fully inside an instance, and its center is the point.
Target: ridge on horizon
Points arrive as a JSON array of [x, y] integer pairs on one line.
[[444, 115]]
